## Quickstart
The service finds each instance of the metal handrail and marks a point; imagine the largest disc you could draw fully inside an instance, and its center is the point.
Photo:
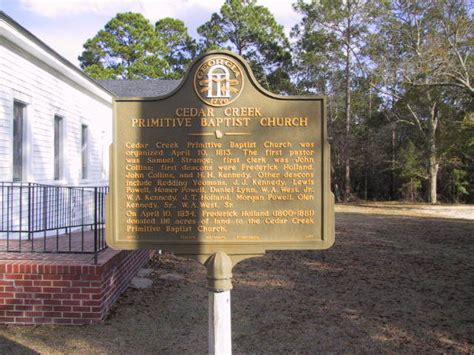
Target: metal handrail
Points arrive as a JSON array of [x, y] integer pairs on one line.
[[32, 213]]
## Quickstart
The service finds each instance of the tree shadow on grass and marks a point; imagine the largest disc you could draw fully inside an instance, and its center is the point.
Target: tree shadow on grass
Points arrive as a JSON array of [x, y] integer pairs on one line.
[[8, 346], [390, 283]]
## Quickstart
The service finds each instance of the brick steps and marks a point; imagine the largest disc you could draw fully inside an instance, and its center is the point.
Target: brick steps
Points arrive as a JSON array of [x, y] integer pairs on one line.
[[67, 291]]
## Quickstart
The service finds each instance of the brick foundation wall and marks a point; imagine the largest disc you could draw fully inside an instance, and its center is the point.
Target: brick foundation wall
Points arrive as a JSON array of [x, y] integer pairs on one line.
[[42, 292]]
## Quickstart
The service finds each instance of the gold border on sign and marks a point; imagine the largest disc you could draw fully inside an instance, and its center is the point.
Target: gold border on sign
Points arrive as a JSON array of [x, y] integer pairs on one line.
[[241, 74]]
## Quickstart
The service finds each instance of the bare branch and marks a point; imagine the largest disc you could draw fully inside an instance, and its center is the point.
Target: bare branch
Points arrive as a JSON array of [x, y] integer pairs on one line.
[[392, 94], [415, 116]]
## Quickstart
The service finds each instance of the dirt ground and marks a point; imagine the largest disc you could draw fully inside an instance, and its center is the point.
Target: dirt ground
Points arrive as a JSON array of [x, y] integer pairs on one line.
[[400, 278]]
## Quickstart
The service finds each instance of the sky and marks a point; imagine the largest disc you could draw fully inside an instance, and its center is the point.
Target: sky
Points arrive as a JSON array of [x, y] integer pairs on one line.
[[65, 25]]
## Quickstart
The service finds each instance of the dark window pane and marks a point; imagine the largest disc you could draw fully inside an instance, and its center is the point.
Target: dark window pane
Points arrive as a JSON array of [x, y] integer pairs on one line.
[[58, 149], [84, 151], [18, 135]]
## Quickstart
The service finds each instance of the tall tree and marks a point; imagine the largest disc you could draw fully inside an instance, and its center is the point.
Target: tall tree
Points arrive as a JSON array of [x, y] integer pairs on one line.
[[251, 31], [127, 48], [441, 41], [179, 47], [421, 52], [339, 26]]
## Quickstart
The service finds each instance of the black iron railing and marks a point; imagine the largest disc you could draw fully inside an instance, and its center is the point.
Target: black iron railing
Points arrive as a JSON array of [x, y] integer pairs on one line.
[[52, 219]]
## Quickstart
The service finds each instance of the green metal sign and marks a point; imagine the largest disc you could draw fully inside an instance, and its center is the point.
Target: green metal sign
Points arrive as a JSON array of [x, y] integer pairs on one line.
[[220, 164]]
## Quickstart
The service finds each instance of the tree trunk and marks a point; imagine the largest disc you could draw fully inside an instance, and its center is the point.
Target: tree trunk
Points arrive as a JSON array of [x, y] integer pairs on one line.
[[433, 160], [347, 162], [434, 167], [393, 166]]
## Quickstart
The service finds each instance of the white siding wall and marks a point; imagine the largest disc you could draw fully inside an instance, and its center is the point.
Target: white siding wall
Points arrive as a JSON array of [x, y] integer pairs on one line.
[[48, 93]]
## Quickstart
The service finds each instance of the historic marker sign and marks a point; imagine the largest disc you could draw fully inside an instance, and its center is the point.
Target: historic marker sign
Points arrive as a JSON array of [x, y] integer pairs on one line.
[[220, 164]]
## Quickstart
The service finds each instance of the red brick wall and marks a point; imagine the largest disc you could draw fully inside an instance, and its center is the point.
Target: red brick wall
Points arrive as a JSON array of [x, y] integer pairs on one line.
[[38, 292]]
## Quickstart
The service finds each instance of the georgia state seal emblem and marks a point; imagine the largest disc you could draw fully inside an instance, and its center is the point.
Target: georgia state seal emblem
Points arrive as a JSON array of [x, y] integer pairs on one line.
[[218, 81]]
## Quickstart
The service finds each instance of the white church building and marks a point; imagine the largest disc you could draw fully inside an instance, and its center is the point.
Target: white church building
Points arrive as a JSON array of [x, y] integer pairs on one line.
[[55, 122], [55, 132]]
